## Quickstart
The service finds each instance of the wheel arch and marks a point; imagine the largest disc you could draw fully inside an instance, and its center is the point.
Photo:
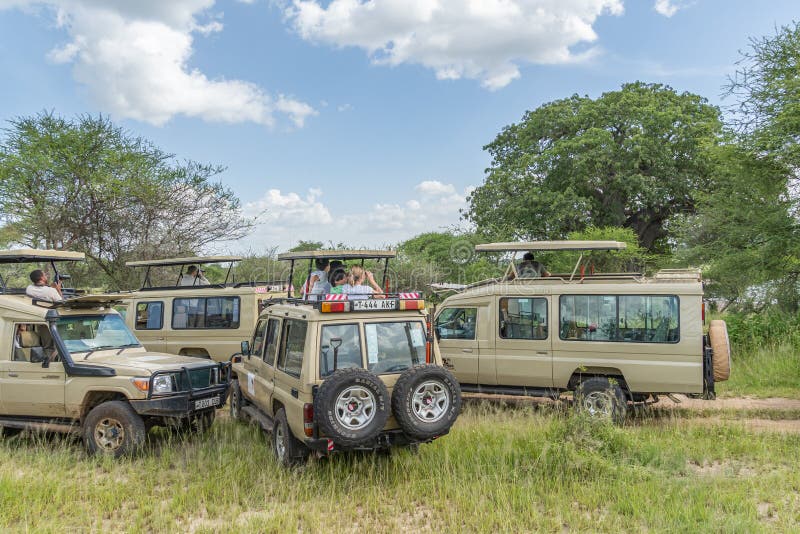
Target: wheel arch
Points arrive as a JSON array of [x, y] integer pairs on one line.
[[95, 398], [582, 373]]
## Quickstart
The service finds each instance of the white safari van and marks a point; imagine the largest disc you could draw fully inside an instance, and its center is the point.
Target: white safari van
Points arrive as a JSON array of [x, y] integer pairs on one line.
[[611, 338]]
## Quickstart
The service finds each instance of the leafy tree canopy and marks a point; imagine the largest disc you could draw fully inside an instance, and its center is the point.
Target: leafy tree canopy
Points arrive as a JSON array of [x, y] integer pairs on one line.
[[631, 158]]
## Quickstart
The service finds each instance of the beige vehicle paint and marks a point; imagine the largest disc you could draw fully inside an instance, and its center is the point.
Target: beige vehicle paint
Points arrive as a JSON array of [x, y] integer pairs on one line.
[[164, 318], [654, 343]]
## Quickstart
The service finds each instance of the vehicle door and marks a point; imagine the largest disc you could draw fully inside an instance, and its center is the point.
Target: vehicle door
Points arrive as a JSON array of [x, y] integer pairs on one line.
[[263, 363], [456, 331], [148, 324], [289, 367], [523, 351], [252, 362], [27, 388]]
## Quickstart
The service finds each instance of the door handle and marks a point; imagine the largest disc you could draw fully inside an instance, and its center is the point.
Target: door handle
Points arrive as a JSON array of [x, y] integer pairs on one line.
[[13, 375], [466, 350], [540, 353], [51, 376]]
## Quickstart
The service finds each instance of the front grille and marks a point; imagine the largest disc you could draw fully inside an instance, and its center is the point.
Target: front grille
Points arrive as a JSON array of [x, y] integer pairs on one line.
[[199, 378]]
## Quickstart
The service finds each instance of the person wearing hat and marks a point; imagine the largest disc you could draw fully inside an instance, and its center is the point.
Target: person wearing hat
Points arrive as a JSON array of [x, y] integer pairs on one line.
[[193, 277]]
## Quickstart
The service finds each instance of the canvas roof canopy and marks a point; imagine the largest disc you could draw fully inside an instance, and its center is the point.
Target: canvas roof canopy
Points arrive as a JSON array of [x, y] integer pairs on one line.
[[550, 245], [337, 254], [31, 255], [184, 261]]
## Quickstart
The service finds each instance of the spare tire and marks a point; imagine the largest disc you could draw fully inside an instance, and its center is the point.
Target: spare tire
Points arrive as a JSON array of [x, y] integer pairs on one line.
[[721, 346], [351, 407], [426, 401]]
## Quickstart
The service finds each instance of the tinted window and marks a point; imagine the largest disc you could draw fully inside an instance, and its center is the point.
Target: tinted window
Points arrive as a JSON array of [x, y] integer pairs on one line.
[[257, 346], [394, 347], [348, 354], [457, 323], [290, 359], [273, 329], [149, 315], [523, 318], [626, 318], [209, 312]]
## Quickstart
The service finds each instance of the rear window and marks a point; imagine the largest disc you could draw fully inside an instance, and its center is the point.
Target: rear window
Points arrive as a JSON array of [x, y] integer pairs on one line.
[[394, 347], [340, 347]]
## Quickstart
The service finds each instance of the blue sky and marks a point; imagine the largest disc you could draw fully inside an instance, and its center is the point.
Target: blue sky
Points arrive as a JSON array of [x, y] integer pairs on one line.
[[353, 121]]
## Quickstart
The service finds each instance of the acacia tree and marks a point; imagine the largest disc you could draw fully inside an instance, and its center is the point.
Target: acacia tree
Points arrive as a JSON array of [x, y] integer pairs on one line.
[[631, 158], [87, 185]]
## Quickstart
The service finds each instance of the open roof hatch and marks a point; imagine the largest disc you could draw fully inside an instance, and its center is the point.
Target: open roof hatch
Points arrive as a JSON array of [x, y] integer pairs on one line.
[[32, 255]]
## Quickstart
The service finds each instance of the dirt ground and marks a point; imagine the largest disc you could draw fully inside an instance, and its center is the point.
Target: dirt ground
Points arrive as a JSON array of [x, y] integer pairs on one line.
[[729, 406]]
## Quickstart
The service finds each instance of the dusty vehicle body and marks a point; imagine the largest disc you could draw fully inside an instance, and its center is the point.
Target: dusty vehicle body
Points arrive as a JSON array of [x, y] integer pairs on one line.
[[75, 367], [332, 375], [590, 333], [206, 321]]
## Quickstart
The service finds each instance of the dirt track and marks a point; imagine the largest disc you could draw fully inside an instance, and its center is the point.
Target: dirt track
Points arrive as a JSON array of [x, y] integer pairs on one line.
[[727, 408]]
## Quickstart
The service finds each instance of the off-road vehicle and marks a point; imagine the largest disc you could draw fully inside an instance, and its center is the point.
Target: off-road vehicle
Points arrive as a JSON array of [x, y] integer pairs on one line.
[[333, 375], [611, 338], [74, 366], [207, 321]]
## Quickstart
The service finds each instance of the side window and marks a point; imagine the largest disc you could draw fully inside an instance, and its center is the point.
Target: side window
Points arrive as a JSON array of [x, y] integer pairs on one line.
[[149, 315], [257, 346], [273, 329], [32, 339], [523, 318], [457, 323], [209, 313], [290, 358], [625, 318]]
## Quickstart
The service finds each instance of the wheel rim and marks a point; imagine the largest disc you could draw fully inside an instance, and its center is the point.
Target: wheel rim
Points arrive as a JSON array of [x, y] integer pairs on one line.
[[599, 403], [280, 445], [355, 407], [109, 434], [430, 401]]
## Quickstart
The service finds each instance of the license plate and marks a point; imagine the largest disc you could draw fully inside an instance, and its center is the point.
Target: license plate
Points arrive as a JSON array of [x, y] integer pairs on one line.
[[206, 403], [375, 304]]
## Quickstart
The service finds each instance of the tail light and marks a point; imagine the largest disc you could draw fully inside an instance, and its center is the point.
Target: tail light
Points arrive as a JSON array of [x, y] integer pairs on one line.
[[412, 305], [703, 312], [308, 419]]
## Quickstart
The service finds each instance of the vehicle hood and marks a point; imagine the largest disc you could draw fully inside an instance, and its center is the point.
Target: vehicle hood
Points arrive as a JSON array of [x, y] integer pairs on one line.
[[135, 362]]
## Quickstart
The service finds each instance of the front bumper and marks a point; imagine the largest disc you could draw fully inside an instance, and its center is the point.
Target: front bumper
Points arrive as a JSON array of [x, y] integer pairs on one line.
[[182, 404], [385, 440]]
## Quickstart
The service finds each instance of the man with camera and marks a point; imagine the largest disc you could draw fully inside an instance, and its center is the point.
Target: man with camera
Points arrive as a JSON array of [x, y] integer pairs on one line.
[[193, 277], [40, 290]]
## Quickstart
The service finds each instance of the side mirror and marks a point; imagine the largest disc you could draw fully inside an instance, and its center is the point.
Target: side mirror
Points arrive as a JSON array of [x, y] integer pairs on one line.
[[246, 348], [37, 355], [438, 333]]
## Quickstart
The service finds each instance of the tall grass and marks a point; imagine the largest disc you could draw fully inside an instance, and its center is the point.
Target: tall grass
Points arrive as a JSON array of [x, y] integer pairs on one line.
[[500, 470], [765, 353]]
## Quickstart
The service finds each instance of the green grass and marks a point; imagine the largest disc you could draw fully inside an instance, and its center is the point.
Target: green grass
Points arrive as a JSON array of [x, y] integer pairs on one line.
[[500, 470], [763, 371]]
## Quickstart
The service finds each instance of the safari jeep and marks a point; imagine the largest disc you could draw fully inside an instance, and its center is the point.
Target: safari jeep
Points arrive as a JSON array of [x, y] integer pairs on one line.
[[207, 321], [75, 367], [611, 338], [336, 375]]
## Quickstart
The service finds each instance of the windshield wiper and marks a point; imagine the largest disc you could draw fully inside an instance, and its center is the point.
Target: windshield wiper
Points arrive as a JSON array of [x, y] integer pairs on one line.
[[128, 346], [95, 349]]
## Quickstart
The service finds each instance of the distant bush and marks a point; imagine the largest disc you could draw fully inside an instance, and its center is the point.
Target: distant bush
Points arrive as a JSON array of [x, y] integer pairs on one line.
[[767, 328]]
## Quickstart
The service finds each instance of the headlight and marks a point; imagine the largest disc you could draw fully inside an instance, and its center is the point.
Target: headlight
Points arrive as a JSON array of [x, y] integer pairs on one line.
[[164, 384]]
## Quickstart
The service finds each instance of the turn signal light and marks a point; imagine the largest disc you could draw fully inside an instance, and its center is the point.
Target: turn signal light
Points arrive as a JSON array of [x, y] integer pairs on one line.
[[334, 307], [412, 304], [142, 384], [308, 419]]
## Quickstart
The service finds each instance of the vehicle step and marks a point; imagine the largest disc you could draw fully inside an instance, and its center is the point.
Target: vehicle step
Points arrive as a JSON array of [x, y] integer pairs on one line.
[[40, 425], [511, 390], [263, 420]]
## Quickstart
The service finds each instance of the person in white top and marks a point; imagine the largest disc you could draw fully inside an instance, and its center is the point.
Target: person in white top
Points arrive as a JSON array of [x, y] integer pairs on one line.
[[193, 277], [40, 290], [356, 289], [317, 284]]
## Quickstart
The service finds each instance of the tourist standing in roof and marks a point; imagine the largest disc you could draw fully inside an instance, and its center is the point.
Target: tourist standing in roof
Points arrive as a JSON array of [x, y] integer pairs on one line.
[[356, 289], [317, 284], [193, 277], [40, 290]]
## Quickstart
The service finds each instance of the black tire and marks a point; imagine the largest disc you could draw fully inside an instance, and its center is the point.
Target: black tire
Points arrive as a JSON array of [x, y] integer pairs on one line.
[[289, 451], [9, 432], [601, 397], [426, 401], [113, 428], [236, 401], [351, 407]]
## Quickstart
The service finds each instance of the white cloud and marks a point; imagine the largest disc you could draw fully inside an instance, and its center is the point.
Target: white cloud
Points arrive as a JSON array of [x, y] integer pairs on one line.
[[289, 217], [134, 59], [478, 39], [667, 7]]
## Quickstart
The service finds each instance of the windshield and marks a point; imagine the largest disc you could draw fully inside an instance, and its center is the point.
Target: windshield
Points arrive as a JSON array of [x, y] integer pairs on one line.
[[95, 332]]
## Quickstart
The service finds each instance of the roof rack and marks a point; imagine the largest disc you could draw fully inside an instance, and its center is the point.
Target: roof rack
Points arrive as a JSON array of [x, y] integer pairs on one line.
[[196, 260], [340, 303]]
